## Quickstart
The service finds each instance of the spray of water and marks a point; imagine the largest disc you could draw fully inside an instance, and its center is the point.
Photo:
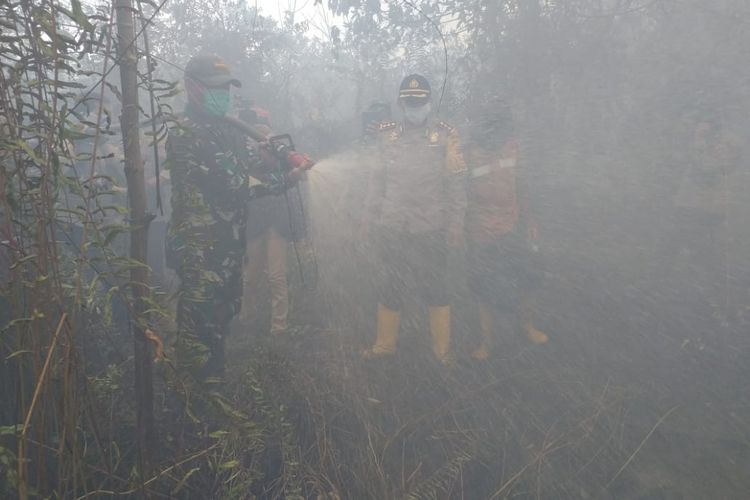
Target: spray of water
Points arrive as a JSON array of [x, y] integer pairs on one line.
[[337, 188]]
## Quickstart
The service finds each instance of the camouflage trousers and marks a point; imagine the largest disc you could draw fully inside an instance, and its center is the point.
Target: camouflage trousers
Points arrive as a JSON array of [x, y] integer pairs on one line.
[[209, 297]]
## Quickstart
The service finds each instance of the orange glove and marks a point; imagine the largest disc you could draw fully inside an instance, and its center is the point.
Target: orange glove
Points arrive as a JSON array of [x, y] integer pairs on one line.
[[298, 160]]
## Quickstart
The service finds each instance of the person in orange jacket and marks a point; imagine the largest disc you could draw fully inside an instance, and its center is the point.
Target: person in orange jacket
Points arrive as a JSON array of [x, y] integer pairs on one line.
[[500, 231]]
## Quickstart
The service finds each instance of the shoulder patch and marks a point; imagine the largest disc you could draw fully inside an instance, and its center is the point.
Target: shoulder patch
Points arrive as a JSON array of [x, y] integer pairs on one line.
[[507, 162], [383, 126], [447, 127]]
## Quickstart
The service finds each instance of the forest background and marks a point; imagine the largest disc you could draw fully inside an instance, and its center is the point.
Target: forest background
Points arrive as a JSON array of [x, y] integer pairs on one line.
[[604, 92]]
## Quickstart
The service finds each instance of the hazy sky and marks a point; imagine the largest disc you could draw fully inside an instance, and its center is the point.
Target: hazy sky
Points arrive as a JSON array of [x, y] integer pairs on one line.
[[318, 16]]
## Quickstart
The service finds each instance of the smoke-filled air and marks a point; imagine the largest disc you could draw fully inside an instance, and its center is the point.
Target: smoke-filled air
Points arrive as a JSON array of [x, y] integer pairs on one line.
[[375, 249]]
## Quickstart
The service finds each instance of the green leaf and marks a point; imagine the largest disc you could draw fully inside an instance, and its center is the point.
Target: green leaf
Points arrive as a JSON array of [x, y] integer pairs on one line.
[[108, 304], [184, 479], [112, 234], [10, 430], [62, 83], [118, 209], [17, 322], [75, 135], [23, 260], [79, 16], [171, 93], [20, 143], [231, 464], [14, 354], [114, 89]]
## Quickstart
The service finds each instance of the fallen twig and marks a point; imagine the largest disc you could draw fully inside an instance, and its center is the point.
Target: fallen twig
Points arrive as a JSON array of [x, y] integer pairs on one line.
[[37, 390], [162, 473], [632, 456]]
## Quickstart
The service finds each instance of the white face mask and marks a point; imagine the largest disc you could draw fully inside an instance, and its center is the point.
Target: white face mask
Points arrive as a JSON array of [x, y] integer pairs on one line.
[[418, 115]]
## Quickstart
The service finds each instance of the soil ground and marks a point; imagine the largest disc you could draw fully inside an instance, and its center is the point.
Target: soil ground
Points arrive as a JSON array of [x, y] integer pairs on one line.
[[640, 394]]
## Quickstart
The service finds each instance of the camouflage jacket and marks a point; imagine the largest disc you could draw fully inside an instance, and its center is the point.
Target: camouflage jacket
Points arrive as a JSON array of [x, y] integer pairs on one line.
[[214, 171]]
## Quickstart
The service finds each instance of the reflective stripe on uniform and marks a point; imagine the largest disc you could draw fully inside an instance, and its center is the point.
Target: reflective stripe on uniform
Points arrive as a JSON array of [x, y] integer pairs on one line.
[[480, 171], [507, 162], [486, 169]]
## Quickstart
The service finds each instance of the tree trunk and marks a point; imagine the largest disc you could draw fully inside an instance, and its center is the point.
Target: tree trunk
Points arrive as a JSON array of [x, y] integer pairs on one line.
[[139, 236]]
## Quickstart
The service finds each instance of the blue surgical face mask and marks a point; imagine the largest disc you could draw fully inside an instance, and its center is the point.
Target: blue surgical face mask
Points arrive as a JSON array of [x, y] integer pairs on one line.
[[216, 101]]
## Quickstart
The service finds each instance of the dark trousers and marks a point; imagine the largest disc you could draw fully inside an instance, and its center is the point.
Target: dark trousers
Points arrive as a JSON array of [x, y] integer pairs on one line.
[[412, 264], [502, 269]]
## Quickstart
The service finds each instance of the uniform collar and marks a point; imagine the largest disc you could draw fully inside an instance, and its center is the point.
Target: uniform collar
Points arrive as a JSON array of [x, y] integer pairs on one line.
[[427, 127]]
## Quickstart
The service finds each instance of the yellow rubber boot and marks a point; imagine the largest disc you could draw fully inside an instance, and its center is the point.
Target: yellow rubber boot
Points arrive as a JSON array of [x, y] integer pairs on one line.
[[389, 322], [440, 327], [486, 323], [536, 336]]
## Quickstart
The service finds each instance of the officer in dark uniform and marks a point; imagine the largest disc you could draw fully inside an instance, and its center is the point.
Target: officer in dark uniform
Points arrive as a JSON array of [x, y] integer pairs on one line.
[[416, 202], [215, 170]]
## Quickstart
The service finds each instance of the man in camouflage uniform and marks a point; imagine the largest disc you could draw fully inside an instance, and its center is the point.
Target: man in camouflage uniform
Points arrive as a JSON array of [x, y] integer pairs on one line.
[[214, 172], [416, 201]]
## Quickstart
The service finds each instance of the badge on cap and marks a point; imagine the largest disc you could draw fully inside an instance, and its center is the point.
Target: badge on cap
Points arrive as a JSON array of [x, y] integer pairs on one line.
[[414, 84]]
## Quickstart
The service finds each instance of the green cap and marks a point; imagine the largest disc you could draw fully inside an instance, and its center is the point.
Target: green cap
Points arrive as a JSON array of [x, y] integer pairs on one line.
[[210, 71]]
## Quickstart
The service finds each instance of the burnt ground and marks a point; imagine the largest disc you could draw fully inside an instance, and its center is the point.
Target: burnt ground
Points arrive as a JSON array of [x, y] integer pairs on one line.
[[640, 394]]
